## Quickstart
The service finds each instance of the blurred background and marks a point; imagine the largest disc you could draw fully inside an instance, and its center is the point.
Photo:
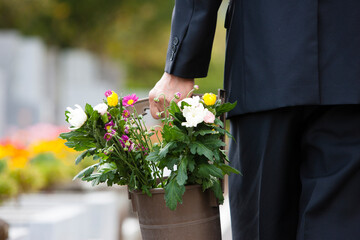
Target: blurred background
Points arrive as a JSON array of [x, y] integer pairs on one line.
[[57, 53]]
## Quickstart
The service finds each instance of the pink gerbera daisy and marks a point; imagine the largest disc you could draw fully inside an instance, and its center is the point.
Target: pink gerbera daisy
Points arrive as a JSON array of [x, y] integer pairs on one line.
[[130, 100]]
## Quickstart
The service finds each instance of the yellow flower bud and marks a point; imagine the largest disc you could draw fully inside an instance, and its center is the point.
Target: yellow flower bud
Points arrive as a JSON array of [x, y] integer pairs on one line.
[[113, 99], [209, 99]]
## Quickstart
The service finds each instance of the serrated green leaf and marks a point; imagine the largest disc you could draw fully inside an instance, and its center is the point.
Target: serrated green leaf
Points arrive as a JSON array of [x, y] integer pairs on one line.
[[178, 135], [86, 171], [212, 142], [216, 188], [173, 108], [203, 132], [182, 171], [191, 163], [145, 189], [227, 169], [201, 149], [208, 183], [226, 107], [169, 162], [179, 116], [107, 167], [84, 154], [206, 170], [66, 116], [173, 194], [88, 109], [153, 156], [93, 118], [73, 134], [166, 149], [219, 122], [115, 112]]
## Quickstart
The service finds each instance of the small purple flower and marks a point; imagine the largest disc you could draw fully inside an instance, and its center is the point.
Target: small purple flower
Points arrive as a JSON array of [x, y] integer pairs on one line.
[[108, 93], [196, 87], [109, 125], [124, 140], [126, 113], [109, 134], [126, 130], [109, 116]]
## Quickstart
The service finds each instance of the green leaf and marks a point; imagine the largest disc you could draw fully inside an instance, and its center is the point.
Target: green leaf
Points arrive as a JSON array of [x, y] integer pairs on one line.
[[107, 167], [203, 132], [84, 154], [183, 104], [132, 182], [216, 188], [115, 112], [80, 146], [178, 135], [173, 108], [169, 162], [226, 107], [219, 122], [145, 189], [166, 149], [86, 172], [73, 134], [173, 194], [205, 170], [153, 156], [191, 163], [208, 183], [66, 116], [217, 155], [201, 149], [227, 169], [88, 109], [182, 171], [179, 116], [212, 142], [93, 118]]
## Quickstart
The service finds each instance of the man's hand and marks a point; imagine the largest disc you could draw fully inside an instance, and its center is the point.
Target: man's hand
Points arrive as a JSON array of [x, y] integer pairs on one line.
[[168, 85]]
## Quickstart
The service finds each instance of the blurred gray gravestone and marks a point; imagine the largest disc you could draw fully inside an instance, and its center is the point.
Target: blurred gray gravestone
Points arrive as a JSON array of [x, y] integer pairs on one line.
[[28, 86], [83, 80], [9, 47], [2, 103]]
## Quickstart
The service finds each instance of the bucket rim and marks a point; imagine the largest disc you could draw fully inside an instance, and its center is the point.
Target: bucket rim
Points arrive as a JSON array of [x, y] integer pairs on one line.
[[162, 190]]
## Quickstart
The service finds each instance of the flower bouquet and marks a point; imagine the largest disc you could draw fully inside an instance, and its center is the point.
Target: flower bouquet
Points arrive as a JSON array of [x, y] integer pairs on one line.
[[188, 143]]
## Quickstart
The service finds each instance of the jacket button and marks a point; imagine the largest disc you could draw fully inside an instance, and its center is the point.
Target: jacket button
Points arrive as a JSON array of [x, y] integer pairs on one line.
[[173, 49], [176, 41]]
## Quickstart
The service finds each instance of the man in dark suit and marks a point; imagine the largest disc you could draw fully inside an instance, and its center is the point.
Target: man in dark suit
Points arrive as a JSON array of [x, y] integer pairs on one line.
[[294, 68]]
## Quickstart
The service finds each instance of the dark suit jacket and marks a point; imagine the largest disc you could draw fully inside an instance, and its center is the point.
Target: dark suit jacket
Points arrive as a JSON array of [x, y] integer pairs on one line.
[[279, 52]]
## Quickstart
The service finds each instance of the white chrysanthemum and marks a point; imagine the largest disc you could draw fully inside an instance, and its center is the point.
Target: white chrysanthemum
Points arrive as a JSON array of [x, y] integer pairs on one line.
[[101, 108], [194, 115], [77, 117], [193, 101]]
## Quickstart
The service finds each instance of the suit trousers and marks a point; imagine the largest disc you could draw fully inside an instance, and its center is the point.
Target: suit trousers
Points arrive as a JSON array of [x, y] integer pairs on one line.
[[300, 174]]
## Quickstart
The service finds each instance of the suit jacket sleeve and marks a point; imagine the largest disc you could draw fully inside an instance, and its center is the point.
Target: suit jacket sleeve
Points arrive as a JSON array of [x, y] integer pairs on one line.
[[191, 39]]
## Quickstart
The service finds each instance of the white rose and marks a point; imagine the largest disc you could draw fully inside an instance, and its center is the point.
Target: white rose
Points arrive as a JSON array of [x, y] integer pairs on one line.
[[194, 101], [101, 108], [77, 117], [194, 115]]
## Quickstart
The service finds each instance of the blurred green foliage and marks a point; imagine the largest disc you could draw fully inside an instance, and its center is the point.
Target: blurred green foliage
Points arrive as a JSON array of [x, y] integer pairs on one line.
[[133, 32]]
